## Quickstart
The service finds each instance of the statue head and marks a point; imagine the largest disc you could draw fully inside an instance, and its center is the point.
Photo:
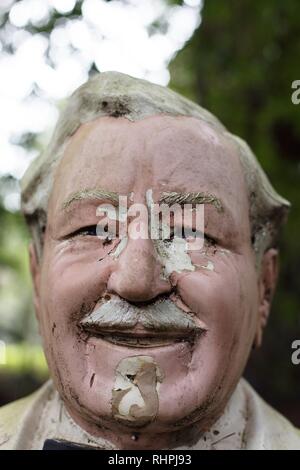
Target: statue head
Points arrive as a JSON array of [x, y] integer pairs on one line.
[[141, 333]]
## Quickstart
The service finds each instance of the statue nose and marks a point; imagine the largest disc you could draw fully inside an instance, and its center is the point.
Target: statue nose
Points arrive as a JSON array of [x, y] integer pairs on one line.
[[137, 276]]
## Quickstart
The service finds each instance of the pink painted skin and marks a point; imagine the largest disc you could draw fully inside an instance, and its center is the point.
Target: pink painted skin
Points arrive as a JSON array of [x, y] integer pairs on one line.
[[161, 153]]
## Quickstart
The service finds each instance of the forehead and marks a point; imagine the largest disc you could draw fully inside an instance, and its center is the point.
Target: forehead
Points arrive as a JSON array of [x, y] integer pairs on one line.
[[164, 153]]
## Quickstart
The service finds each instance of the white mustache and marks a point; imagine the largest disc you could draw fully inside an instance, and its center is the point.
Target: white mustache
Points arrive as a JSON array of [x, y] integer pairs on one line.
[[162, 316]]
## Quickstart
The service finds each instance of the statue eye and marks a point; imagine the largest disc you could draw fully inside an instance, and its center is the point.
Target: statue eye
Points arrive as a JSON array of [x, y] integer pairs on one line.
[[187, 233], [208, 240], [91, 230]]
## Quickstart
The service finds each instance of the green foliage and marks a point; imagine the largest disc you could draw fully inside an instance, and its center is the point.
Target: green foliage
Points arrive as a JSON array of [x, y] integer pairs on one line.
[[23, 358], [240, 65], [16, 312]]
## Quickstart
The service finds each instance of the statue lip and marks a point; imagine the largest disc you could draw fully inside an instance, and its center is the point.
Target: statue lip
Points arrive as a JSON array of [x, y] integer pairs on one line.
[[140, 337]]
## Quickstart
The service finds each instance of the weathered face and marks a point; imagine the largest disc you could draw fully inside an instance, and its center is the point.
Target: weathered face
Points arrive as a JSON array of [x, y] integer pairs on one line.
[[138, 335]]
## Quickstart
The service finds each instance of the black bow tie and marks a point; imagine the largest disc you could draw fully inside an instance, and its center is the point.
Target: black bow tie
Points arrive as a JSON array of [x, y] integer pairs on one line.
[[59, 444]]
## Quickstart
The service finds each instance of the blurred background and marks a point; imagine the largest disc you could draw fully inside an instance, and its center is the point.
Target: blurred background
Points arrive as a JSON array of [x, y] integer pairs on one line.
[[236, 58]]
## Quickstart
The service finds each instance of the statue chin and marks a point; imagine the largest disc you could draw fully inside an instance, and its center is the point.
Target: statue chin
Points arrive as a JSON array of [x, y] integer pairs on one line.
[[142, 393]]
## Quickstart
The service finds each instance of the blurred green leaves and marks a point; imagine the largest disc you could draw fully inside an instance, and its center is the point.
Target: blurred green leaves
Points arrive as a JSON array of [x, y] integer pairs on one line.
[[22, 358], [16, 312]]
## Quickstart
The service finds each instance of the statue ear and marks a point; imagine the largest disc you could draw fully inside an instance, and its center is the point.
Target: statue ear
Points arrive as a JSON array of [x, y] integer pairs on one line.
[[35, 275], [266, 288]]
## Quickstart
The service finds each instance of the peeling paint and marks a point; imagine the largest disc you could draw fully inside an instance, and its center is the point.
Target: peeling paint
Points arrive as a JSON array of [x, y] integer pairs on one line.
[[223, 251], [135, 399], [210, 266], [173, 256], [120, 247]]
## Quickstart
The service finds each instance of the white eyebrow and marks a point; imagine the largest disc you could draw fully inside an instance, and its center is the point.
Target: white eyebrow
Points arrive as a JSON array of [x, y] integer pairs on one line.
[[171, 198], [91, 194]]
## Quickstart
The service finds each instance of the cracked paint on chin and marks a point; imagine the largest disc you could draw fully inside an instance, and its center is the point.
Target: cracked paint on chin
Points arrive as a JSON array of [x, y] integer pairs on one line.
[[135, 399]]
